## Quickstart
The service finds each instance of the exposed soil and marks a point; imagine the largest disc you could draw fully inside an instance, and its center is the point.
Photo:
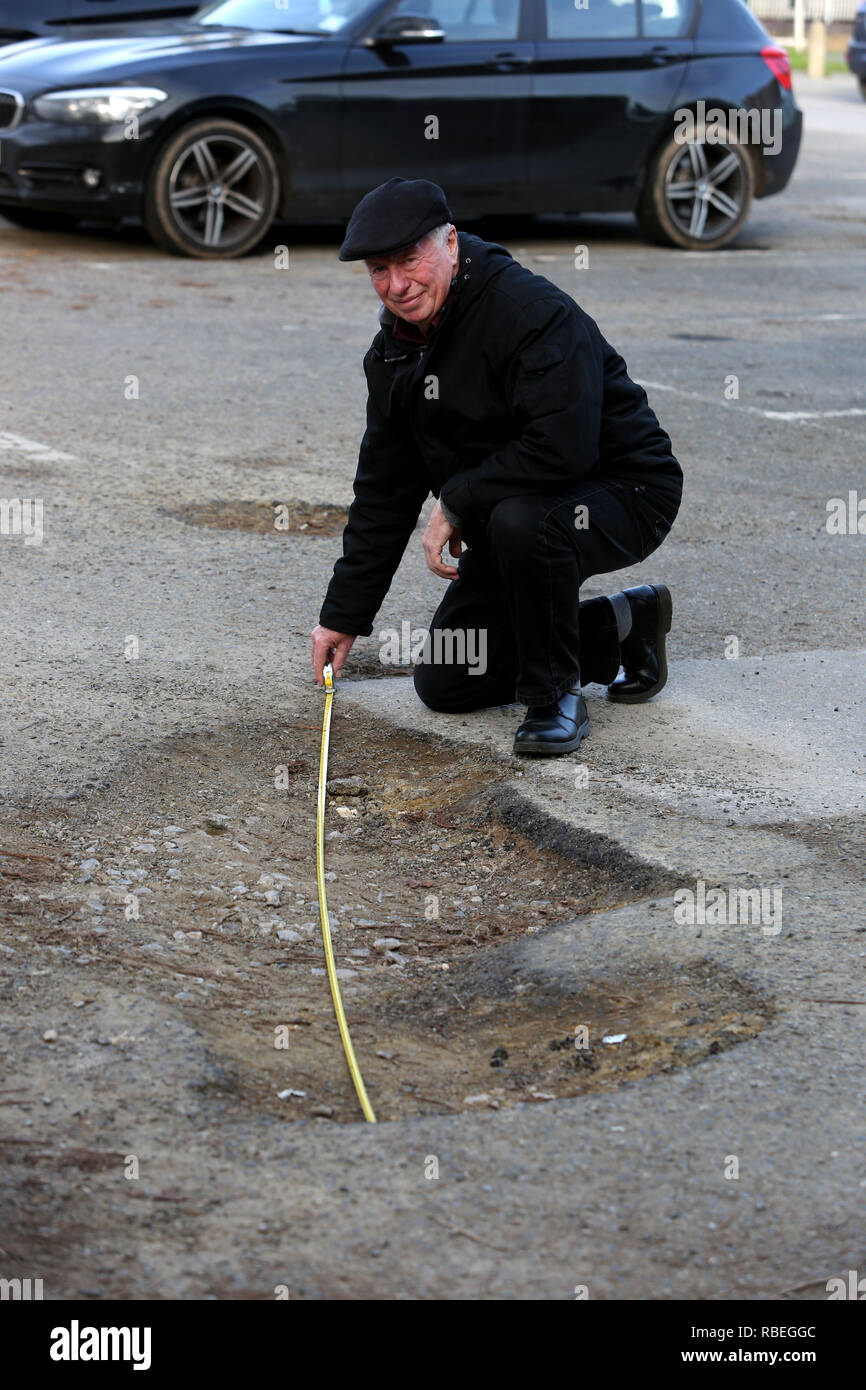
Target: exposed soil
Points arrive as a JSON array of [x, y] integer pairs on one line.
[[282, 517], [174, 885]]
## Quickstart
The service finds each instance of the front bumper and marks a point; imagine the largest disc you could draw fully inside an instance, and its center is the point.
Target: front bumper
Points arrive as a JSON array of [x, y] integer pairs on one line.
[[43, 164]]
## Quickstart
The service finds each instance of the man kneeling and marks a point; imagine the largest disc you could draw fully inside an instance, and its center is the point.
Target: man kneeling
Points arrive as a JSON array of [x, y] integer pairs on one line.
[[490, 387]]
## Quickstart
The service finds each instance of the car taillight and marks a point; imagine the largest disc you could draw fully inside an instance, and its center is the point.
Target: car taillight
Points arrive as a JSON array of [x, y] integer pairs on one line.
[[779, 64]]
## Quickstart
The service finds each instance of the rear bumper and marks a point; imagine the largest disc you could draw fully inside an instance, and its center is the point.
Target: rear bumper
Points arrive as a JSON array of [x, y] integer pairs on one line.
[[779, 167]]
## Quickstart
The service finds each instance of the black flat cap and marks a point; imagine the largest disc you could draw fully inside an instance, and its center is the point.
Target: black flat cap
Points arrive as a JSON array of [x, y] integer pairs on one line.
[[394, 215]]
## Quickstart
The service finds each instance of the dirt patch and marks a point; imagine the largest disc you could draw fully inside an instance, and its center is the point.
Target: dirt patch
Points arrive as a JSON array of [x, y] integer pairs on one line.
[[515, 1039], [28, 470], [360, 667], [279, 518], [189, 885]]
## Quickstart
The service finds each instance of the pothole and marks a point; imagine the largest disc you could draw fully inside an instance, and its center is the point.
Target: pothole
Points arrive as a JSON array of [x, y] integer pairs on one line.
[[279, 518], [190, 882], [478, 1041], [462, 1043], [362, 667]]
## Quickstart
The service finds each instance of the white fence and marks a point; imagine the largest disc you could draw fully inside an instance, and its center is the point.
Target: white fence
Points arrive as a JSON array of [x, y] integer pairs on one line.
[[843, 10]]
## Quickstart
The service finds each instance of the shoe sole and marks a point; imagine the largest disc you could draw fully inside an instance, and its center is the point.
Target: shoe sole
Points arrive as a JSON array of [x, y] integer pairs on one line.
[[548, 750], [666, 609]]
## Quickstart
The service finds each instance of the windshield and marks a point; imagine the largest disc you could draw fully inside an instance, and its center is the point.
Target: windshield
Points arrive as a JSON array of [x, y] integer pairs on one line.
[[290, 16]]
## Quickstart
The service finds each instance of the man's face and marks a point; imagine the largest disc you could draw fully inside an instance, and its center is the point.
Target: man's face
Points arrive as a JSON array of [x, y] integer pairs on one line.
[[414, 283]]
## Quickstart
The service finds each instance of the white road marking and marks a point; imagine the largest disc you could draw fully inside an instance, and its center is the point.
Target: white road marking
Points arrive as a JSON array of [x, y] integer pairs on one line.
[[810, 414], [43, 452], [754, 409], [722, 320]]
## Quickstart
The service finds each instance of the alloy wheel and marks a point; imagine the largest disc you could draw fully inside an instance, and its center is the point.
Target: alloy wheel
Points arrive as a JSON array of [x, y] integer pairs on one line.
[[218, 189], [705, 187]]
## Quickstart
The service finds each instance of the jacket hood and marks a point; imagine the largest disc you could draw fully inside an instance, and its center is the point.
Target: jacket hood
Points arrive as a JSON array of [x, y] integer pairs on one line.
[[480, 262]]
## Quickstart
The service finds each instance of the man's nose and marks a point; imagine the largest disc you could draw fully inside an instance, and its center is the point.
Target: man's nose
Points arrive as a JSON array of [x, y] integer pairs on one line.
[[400, 282]]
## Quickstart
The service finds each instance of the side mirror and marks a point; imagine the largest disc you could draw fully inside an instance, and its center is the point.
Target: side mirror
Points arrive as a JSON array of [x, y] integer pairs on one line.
[[407, 28]]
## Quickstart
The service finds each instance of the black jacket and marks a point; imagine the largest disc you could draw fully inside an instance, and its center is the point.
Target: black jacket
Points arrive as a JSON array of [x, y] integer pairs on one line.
[[516, 391]]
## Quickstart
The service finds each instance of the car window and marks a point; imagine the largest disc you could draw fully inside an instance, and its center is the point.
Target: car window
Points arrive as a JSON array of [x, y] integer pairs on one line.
[[310, 16], [595, 19], [468, 19], [666, 18]]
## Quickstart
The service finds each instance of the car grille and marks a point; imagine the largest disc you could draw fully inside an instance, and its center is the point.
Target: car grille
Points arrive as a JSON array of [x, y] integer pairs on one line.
[[11, 109]]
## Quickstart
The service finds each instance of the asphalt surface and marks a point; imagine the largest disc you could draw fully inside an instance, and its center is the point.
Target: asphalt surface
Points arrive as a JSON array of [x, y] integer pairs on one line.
[[747, 771]]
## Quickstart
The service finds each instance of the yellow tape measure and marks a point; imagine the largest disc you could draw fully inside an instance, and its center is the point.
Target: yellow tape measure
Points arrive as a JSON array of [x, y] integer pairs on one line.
[[360, 1088]]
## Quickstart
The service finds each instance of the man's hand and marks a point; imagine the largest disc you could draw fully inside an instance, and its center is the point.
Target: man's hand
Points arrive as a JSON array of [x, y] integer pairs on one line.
[[438, 532], [329, 646]]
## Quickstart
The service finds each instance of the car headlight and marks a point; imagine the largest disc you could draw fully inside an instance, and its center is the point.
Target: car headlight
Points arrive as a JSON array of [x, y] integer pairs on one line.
[[101, 105]]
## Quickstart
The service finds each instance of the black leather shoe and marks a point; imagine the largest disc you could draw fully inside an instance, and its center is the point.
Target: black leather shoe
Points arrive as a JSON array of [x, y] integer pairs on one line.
[[644, 659], [554, 728]]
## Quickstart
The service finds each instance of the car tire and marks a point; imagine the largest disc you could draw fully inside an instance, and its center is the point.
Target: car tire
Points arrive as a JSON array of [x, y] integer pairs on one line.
[[862, 82], [669, 213], [40, 221], [191, 211]]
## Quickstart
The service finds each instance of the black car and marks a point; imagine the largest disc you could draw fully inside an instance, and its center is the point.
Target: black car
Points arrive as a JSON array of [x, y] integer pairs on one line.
[[30, 19], [857, 49], [208, 129]]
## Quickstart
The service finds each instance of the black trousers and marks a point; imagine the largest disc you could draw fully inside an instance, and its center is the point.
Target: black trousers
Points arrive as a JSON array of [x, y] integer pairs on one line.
[[511, 626]]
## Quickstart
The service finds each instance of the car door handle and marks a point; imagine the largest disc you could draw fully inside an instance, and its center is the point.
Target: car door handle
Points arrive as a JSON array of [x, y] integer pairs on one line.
[[506, 60], [659, 55]]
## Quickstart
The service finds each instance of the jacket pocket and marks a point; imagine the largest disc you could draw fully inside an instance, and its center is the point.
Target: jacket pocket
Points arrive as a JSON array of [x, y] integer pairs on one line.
[[651, 525], [540, 356], [654, 524]]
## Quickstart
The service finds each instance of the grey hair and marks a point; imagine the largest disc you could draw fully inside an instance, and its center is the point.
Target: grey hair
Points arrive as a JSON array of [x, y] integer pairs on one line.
[[440, 234]]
